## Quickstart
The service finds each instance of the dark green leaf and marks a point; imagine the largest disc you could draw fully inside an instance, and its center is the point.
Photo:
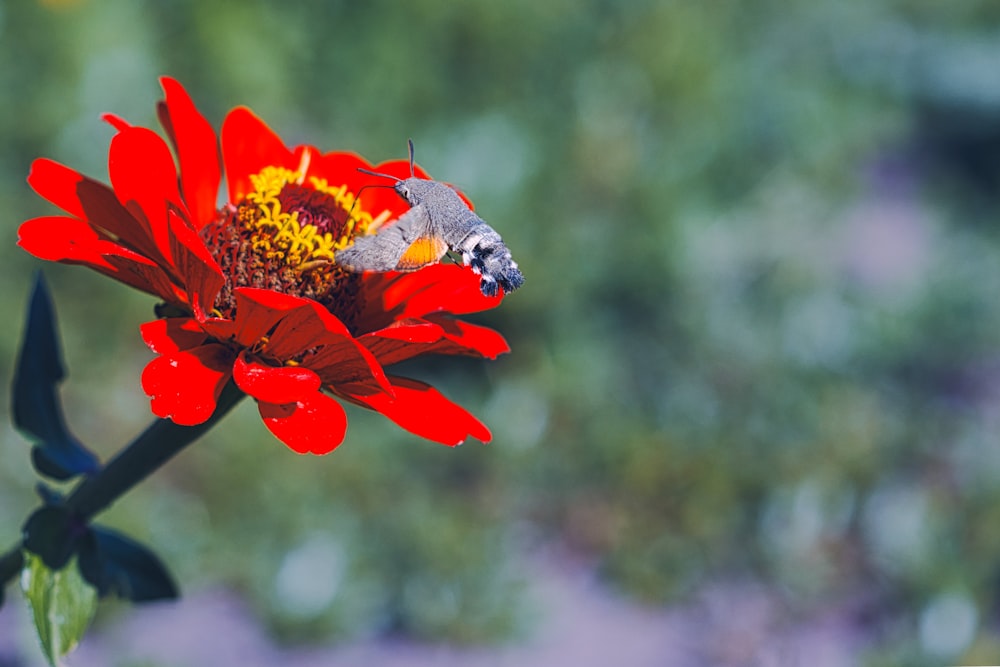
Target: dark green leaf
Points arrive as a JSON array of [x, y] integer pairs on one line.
[[36, 407], [114, 563], [48, 495], [62, 605]]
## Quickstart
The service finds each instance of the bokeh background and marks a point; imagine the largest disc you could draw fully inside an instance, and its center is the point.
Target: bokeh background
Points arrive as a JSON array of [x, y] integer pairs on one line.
[[753, 402]]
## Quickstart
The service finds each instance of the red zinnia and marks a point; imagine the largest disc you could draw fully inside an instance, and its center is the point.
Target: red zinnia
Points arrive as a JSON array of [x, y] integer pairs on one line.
[[251, 290]]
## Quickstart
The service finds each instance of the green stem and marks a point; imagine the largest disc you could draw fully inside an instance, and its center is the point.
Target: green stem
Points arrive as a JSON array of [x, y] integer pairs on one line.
[[150, 450], [143, 456]]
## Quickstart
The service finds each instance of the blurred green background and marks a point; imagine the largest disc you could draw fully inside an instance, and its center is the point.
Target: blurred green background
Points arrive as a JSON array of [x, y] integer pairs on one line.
[[759, 338]]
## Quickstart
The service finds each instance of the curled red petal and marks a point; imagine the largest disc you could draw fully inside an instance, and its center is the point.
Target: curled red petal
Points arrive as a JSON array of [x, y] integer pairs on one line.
[[274, 384], [172, 334], [185, 386], [202, 276], [421, 409], [197, 151], [249, 145], [137, 271], [315, 424]]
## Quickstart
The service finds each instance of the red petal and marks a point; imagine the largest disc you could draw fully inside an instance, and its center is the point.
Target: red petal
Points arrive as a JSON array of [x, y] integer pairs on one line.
[[315, 425], [115, 121], [402, 341], [465, 338], [72, 241], [137, 271], [197, 151], [61, 239], [337, 357], [61, 185], [408, 331], [172, 334], [271, 384], [439, 288], [91, 201], [453, 337], [197, 268], [304, 327], [258, 311], [145, 180], [423, 410], [341, 168], [294, 327], [185, 386], [249, 145]]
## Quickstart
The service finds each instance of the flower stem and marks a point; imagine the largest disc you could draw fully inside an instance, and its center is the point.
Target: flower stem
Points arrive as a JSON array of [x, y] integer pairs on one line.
[[150, 450]]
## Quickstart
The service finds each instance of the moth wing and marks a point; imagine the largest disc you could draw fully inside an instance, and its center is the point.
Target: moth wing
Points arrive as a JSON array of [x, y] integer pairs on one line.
[[382, 251], [425, 250]]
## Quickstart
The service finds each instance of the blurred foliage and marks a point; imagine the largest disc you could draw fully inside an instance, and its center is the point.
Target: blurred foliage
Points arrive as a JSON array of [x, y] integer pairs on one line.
[[760, 334]]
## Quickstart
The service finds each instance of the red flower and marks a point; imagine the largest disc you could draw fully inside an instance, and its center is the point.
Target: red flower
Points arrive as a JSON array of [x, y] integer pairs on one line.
[[251, 289]]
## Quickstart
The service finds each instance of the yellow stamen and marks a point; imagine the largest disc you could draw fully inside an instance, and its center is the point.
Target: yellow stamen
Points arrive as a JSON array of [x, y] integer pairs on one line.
[[278, 234]]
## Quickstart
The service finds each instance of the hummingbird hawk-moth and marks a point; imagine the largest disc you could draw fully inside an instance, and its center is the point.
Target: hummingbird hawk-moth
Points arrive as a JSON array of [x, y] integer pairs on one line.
[[438, 221]]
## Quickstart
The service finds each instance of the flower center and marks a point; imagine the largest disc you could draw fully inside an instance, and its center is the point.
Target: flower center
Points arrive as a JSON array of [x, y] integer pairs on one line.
[[283, 235]]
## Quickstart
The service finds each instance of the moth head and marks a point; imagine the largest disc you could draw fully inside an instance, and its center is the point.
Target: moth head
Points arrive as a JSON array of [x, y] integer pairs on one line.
[[410, 188], [402, 188]]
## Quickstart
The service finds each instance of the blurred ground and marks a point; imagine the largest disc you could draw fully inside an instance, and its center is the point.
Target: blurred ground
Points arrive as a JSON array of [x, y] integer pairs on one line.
[[580, 622]]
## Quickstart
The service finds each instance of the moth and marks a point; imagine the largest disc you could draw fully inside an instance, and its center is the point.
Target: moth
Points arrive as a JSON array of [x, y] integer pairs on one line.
[[438, 221]]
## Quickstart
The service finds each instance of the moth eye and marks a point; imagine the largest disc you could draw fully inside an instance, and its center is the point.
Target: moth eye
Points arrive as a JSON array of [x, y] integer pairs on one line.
[[403, 191]]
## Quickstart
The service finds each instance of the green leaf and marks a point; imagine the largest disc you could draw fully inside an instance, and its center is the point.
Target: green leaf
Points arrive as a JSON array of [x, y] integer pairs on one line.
[[37, 410], [114, 563], [62, 605]]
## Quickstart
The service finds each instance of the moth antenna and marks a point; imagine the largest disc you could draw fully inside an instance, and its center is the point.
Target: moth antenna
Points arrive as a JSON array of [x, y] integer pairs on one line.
[[357, 198], [375, 173], [409, 142]]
